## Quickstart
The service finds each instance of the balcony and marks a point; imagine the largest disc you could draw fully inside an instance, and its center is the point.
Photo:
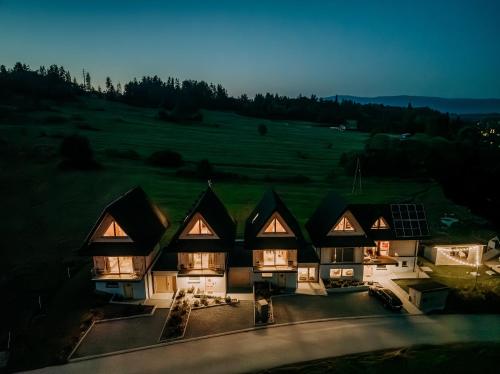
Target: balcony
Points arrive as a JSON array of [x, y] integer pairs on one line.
[[103, 275], [291, 266], [195, 272]]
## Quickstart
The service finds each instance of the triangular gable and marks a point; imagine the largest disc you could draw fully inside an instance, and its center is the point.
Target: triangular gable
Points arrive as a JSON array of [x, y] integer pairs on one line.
[[380, 224], [110, 229], [198, 228], [346, 225], [276, 226]]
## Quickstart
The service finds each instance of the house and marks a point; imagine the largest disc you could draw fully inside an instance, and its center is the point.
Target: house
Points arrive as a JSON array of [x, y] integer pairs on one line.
[[454, 254], [197, 255], [428, 296], [280, 254], [363, 241], [124, 243]]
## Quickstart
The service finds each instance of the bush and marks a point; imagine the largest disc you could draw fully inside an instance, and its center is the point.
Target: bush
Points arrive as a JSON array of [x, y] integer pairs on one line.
[[228, 299], [76, 153], [167, 158], [262, 129], [196, 303]]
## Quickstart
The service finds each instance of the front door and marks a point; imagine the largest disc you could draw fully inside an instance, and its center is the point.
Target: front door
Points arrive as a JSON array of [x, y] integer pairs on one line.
[[164, 284], [128, 291]]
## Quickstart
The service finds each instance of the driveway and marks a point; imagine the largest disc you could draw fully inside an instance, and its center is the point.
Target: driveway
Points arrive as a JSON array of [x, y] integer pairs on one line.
[[219, 319], [296, 308], [112, 336], [281, 345]]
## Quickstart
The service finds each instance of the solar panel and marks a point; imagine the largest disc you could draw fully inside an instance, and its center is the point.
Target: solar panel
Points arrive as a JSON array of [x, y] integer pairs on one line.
[[409, 220]]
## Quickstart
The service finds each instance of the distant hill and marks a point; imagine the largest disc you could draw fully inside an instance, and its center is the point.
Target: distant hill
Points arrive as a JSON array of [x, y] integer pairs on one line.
[[457, 106]]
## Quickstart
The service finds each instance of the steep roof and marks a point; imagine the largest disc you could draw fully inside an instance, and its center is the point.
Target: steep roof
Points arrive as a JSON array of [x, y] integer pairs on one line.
[[270, 204], [333, 207], [213, 211], [329, 211], [143, 221]]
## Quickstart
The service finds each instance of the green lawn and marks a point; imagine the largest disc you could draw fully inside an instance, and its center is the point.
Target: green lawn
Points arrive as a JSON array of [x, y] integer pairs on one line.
[[47, 212], [453, 358]]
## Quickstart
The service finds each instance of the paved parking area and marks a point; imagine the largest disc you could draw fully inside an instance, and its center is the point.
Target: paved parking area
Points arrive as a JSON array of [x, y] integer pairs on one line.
[[122, 334], [219, 319], [296, 308]]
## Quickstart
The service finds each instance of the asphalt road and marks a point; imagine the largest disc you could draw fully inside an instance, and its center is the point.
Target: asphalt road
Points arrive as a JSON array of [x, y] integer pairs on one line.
[[265, 348]]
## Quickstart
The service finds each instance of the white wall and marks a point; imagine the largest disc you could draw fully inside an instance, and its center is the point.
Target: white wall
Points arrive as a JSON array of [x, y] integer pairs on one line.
[[403, 247], [219, 283]]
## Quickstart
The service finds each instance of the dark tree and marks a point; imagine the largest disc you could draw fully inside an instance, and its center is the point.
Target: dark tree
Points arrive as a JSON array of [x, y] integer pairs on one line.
[[204, 169], [262, 129], [167, 158], [76, 153]]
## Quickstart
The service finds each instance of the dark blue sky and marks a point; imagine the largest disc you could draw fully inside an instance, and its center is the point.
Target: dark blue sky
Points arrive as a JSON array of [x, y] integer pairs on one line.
[[366, 48]]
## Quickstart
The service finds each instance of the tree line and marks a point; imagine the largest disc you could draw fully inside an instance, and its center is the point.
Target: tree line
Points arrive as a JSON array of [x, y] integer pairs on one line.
[[177, 99]]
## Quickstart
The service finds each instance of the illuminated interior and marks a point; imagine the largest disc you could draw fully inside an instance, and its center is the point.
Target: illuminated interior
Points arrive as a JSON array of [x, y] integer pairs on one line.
[[306, 274], [380, 224], [200, 228], [114, 231], [344, 225], [119, 265], [275, 227], [275, 257], [459, 255]]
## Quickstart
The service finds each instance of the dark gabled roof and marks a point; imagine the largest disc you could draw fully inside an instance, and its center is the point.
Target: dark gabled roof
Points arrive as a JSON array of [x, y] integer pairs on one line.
[[166, 262], [239, 256], [307, 254], [142, 220], [216, 215], [269, 204], [428, 286], [329, 211]]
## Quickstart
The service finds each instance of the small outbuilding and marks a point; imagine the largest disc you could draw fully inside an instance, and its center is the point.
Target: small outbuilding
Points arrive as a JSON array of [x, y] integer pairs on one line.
[[454, 254], [428, 295]]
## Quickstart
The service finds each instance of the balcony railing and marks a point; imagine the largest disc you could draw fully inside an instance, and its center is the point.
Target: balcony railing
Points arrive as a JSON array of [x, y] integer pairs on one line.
[[210, 270], [102, 274], [290, 266]]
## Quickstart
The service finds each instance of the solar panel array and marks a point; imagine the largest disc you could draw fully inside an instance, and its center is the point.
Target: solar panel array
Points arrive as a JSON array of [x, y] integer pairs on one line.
[[409, 220]]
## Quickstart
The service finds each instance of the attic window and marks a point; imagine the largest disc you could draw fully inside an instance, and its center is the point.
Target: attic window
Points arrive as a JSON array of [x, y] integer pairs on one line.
[[114, 231], [275, 227], [380, 224], [344, 225], [200, 228]]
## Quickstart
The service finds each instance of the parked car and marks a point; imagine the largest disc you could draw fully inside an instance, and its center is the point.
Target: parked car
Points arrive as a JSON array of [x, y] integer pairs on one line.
[[387, 297]]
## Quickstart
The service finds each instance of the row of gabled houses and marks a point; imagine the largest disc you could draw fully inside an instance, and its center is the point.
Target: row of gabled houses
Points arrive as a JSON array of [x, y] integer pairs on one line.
[[347, 241]]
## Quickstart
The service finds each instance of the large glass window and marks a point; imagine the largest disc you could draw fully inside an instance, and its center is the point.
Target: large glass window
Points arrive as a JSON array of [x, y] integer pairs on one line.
[[119, 265], [275, 258], [307, 274], [200, 228], [114, 231], [275, 227], [342, 255]]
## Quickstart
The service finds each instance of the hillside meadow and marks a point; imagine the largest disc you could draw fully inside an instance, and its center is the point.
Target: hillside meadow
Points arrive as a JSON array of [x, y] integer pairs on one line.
[[47, 212]]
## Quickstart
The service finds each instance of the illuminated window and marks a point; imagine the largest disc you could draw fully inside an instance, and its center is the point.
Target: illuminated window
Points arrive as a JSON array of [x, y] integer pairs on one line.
[[380, 224], [119, 265], [275, 227], [347, 272], [267, 275], [344, 225], [335, 273], [384, 248], [200, 228], [114, 231], [275, 258]]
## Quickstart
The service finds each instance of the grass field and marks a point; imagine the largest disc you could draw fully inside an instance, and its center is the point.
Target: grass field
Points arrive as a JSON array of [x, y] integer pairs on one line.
[[456, 358], [48, 212]]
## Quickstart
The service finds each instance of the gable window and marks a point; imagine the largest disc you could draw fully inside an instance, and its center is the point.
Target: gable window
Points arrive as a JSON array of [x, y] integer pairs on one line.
[[114, 231], [344, 225], [275, 227], [200, 228], [380, 224]]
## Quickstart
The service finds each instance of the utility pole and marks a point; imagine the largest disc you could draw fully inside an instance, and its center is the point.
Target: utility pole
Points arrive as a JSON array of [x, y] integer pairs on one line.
[[356, 183]]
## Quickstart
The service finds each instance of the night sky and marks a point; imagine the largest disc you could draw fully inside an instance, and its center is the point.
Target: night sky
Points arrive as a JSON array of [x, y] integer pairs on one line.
[[365, 48]]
